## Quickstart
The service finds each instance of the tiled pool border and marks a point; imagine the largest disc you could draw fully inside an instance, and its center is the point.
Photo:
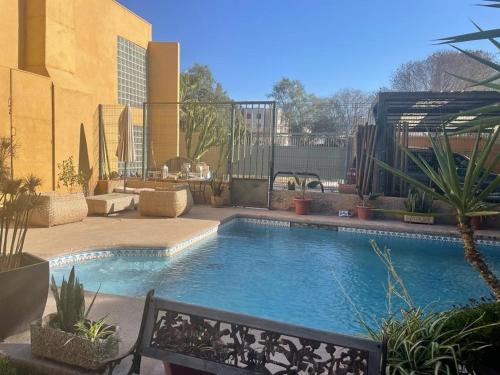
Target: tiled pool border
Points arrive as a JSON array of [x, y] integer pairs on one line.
[[90, 254]]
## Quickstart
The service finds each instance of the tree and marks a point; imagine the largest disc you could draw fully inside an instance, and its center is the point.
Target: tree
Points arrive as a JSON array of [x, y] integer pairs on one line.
[[439, 71], [204, 124], [292, 99], [342, 112]]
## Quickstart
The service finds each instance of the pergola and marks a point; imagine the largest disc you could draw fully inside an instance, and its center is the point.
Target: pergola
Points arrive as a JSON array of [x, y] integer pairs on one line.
[[398, 115]]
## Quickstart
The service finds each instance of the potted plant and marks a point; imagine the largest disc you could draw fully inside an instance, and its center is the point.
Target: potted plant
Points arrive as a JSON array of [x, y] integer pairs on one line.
[[24, 277], [68, 335], [56, 208], [364, 208], [217, 187], [418, 208], [302, 204]]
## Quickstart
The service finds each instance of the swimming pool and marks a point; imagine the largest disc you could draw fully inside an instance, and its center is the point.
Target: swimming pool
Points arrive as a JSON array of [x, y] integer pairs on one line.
[[291, 274]]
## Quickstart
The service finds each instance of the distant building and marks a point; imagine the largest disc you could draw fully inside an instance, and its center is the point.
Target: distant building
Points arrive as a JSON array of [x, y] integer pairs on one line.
[[260, 119]]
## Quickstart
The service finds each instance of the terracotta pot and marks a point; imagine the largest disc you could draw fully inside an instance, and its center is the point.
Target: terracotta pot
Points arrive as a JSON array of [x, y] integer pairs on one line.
[[364, 213], [23, 295], [302, 206], [217, 201]]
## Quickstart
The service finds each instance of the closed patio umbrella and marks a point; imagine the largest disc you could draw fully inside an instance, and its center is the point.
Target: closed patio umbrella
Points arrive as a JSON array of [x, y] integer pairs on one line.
[[125, 151]]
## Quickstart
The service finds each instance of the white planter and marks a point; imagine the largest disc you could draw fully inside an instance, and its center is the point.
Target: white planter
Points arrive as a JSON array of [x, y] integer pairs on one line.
[[52, 343]]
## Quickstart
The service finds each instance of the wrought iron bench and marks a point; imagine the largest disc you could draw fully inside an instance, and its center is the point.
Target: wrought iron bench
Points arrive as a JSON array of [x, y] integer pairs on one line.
[[221, 342]]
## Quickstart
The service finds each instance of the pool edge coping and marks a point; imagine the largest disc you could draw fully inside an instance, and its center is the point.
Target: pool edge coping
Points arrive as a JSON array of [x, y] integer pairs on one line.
[[102, 252]]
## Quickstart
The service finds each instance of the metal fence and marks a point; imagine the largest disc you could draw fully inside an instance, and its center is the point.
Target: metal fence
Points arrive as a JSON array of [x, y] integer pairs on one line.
[[237, 140]]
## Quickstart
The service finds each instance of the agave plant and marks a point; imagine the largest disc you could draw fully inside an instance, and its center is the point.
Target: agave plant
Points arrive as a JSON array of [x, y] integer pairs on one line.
[[70, 302], [304, 185]]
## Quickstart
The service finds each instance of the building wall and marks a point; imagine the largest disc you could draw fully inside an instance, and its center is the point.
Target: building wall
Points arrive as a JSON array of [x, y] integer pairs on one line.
[[9, 33], [163, 119], [72, 45]]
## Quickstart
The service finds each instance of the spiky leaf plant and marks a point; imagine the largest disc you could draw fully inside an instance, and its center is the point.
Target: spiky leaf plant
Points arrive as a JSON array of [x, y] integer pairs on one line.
[[70, 302], [467, 198], [421, 341]]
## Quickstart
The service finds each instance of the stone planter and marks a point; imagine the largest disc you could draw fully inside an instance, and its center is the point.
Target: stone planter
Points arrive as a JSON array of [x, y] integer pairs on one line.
[[217, 201], [418, 219], [23, 295], [302, 206], [52, 343]]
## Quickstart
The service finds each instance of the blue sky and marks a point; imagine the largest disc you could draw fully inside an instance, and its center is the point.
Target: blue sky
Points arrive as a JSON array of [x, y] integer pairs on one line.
[[326, 44]]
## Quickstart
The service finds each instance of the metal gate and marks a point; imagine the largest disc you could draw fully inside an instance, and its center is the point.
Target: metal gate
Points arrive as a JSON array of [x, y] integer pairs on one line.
[[250, 162]]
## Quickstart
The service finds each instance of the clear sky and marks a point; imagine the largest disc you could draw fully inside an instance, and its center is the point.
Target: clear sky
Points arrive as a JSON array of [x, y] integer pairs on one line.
[[326, 44]]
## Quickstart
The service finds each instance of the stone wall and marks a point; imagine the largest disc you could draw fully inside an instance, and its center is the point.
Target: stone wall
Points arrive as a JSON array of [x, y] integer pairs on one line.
[[331, 203]]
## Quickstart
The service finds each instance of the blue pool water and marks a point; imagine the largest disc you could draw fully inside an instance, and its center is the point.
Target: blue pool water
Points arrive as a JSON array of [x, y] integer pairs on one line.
[[293, 274]]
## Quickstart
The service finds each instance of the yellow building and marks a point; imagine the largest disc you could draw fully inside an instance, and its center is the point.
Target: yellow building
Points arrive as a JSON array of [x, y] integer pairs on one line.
[[59, 61]]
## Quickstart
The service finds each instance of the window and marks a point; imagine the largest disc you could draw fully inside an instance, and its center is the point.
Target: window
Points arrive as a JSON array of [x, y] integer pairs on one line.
[[249, 116], [132, 79], [259, 116]]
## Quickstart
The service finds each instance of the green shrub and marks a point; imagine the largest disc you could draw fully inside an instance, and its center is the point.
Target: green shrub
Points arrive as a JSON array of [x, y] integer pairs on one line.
[[485, 312], [6, 368], [426, 342]]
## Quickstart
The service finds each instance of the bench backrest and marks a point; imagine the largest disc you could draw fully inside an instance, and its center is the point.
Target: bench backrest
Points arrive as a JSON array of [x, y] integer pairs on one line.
[[228, 343]]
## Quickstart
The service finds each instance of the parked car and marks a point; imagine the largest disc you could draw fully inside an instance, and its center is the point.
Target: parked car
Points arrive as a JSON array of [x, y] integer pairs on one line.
[[427, 154]]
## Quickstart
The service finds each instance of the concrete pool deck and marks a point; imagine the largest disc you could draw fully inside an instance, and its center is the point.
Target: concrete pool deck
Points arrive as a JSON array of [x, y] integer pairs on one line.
[[130, 229]]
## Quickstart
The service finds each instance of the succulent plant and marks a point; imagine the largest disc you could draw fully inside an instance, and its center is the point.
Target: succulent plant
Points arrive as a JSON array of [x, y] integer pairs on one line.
[[70, 302]]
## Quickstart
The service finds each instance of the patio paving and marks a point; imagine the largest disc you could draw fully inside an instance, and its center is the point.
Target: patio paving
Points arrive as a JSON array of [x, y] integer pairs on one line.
[[130, 229]]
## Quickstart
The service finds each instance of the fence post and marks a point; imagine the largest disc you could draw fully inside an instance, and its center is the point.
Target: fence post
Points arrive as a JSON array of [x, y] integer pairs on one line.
[[101, 143], [144, 140], [231, 150], [271, 159]]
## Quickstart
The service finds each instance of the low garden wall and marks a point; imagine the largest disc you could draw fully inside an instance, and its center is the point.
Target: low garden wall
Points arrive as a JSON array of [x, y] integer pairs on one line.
[[331, 203]]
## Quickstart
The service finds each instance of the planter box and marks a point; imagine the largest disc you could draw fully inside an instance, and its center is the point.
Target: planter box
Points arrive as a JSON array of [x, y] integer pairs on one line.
[[418, 219], [52, 343], [23, 295], [57, 209]]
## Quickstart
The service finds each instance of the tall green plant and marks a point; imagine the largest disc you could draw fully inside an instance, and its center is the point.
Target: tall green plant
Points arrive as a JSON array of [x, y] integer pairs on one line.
[[70, 302], [18, 199], [425, 342], [70, 178], [467, 198]]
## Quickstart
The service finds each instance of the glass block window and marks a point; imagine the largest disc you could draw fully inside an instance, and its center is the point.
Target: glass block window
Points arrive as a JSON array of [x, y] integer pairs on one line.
[[134, 168], [132, 74]]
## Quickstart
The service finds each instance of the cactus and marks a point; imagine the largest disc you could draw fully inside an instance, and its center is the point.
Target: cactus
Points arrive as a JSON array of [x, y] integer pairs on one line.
[[70, 302]]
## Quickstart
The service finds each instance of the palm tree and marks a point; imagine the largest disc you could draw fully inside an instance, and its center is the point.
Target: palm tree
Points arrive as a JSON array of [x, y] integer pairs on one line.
[[467, 198]]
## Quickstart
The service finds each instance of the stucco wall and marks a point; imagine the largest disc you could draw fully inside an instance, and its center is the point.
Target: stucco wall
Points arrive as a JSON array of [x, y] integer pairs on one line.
[[9, 33], [71, 44], [163, 119], [32, 126]]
